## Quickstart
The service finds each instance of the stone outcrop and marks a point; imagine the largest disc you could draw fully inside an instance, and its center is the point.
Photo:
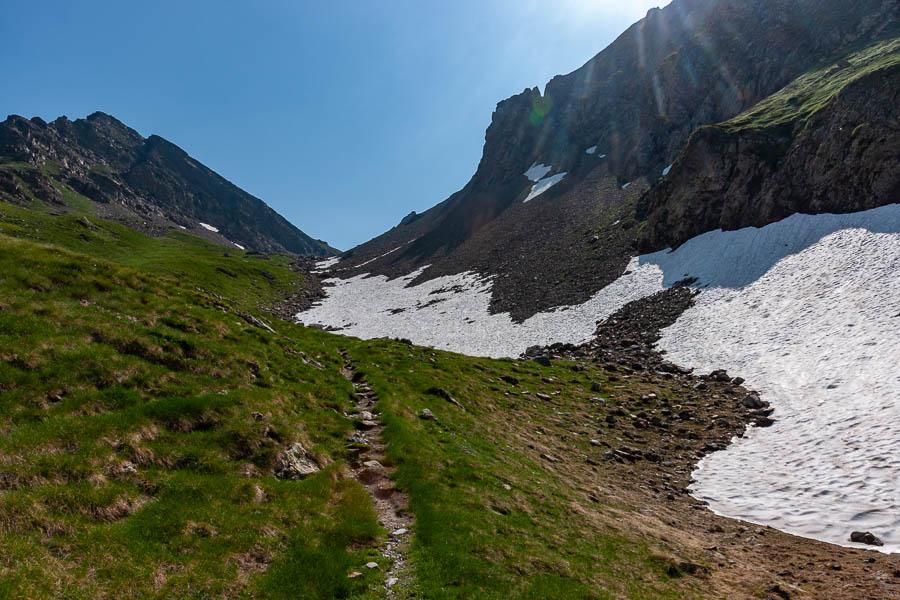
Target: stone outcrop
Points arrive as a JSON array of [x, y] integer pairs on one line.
[[843, 158]]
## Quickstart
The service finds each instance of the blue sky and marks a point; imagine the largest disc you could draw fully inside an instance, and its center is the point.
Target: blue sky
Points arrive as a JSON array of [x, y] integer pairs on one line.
[[341, 115]]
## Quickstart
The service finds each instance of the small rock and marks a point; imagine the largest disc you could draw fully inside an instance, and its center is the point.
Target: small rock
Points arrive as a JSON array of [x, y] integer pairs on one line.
[[510, 380], [427, 415], [550, 458], [296, 463], [542, 360], [399, 532], [366, 416], [442, 393], [752, 401], [371, 565], [595, 443], [861, 537], [700, 385], [738, 380], [719, 375], [354, 575], [596, 387], [391, 582], [779, 591], [542, 396], [373, 464]]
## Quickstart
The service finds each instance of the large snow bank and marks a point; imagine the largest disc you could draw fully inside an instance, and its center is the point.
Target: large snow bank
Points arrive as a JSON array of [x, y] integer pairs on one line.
[[805, 309]]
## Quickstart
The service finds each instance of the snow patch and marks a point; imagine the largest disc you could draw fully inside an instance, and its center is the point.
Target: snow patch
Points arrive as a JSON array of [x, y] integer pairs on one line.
[[806, 310], [324, 265], [238, 245], [209, 227], [591, 150], [377, 257], [625, 187], [537, 171], [543, 185], [666, 170]]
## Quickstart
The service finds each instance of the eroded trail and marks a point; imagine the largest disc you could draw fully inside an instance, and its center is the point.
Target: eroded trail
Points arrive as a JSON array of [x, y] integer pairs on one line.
[[368, 450]]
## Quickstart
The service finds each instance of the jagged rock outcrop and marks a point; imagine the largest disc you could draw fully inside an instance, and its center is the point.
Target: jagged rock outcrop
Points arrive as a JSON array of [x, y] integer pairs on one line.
[[150, 184], [843, 157]]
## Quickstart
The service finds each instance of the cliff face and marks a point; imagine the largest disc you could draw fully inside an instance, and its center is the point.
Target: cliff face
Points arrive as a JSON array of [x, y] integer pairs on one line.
[[829, 142], [149, 184], [635, 105]]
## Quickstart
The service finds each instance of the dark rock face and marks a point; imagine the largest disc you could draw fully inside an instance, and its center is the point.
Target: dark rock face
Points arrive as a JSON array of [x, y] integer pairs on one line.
[[844, 158], [693, 63], [865, 537], [150, 183]]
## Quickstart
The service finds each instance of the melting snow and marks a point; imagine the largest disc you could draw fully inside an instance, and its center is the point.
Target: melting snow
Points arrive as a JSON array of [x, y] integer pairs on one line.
[[537, 171], [626, 185], [591, 150], [666, 170], [207, 226], [324, 265], [377, 257], [238, 245], [543, 185], [805, 309]]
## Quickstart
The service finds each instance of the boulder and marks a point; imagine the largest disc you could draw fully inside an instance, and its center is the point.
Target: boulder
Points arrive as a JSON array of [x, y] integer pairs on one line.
[[296, 463], [865, 537], [753, 402]]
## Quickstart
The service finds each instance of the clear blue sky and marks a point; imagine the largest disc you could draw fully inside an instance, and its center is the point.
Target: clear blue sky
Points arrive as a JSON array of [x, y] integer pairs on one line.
[[341, 115]]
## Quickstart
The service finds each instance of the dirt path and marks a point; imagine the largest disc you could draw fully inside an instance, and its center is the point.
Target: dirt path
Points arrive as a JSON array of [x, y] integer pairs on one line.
[[367, 467]]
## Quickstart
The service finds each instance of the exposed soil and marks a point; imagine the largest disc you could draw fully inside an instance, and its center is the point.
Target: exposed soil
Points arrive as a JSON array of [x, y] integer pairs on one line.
[[367, 466]]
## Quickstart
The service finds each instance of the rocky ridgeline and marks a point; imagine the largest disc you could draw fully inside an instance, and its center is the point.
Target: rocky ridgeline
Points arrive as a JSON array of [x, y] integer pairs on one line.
[[148, 184]]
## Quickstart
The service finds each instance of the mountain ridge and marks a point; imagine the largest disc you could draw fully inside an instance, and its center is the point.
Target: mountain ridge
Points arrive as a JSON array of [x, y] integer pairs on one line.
[[147, 183]]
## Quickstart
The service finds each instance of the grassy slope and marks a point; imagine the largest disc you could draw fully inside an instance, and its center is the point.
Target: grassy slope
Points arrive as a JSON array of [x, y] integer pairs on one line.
[[811, 92], [110, 356]]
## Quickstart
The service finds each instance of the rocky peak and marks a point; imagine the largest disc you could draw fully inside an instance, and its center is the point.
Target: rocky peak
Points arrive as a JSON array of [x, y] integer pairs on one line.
[[150, 184]]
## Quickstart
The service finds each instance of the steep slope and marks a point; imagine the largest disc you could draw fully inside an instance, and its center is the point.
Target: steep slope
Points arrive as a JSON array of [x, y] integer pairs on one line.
[[828, 142], [149, 184], [621, 118]]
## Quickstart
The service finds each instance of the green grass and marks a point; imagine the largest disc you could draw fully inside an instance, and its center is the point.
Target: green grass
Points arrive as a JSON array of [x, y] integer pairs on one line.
[[247, 279], [474, 537], [802, 98], [141, 417]]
